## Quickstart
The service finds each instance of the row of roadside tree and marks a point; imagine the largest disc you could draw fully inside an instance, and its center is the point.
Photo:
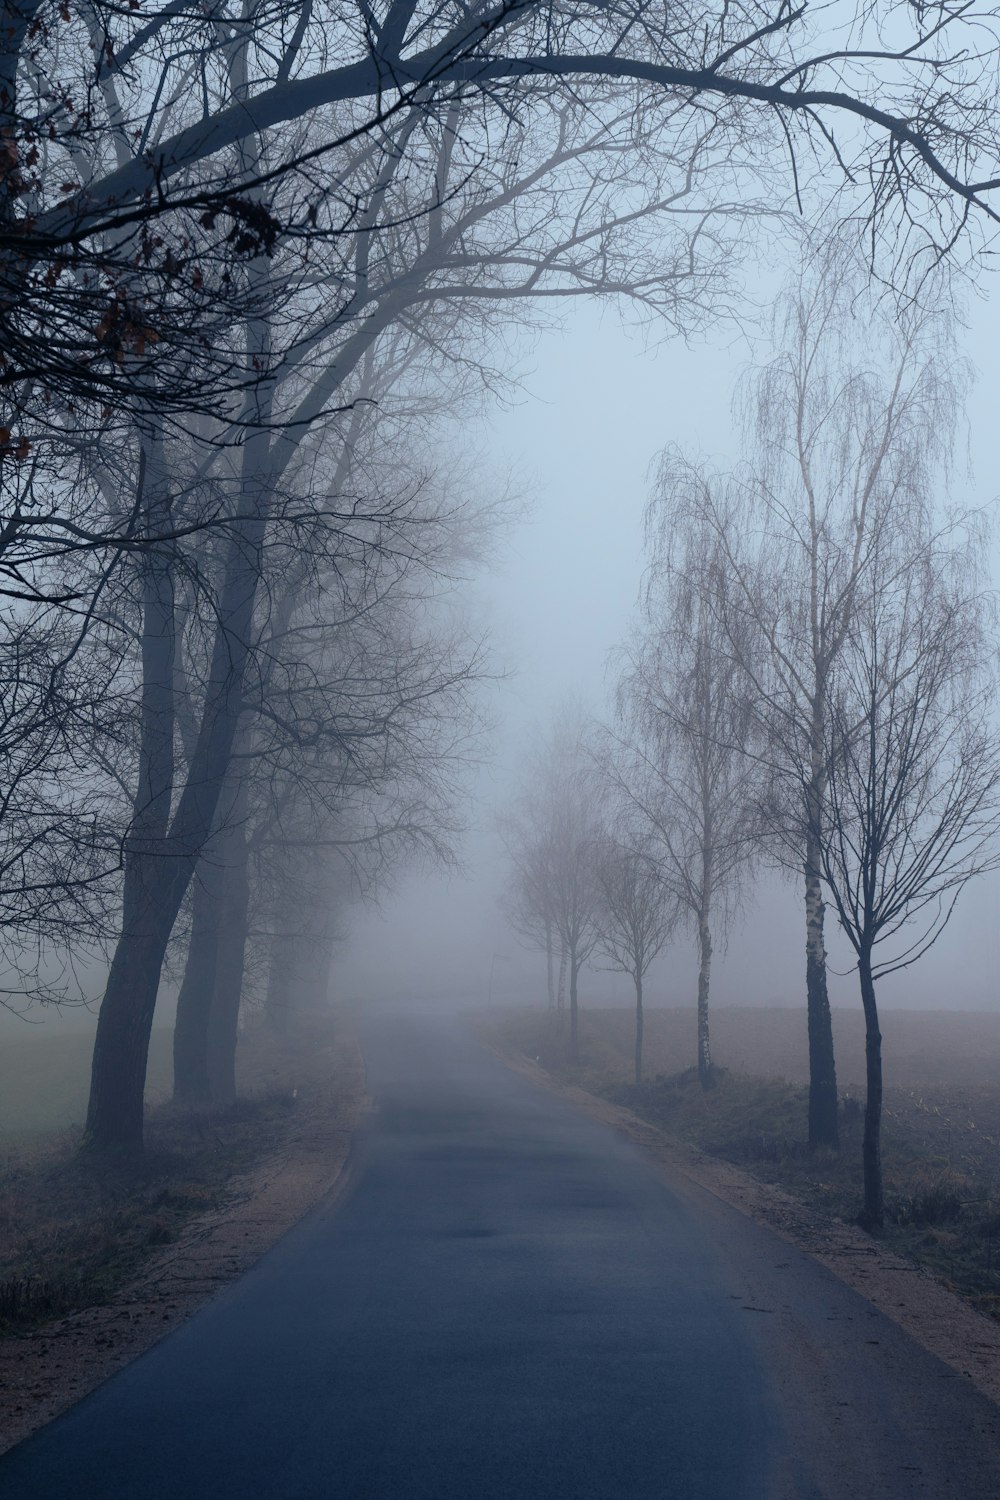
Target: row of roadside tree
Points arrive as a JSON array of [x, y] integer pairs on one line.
[[810, 684]]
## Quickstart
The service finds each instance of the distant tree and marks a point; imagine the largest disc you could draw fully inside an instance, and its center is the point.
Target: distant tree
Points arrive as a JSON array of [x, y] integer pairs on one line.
[[356, 725], [912, 806], [679, 749], [527, 899], [635, 914], [554, 834]]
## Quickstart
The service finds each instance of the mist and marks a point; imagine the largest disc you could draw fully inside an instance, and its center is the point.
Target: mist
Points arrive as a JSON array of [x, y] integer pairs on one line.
[[596, 405], [499, 751]]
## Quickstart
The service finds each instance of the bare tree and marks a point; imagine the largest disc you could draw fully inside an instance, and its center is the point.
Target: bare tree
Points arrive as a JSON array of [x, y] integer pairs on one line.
[[912, 811], [527, 900], [164, 181], [427, 275], [635, 914], [555, 833], [115, 122], [148, 163], [357, 719], [848, 432], [679, 757]]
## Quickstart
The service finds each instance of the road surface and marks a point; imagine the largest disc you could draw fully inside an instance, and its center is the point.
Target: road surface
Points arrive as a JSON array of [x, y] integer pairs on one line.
[[509, 1303]]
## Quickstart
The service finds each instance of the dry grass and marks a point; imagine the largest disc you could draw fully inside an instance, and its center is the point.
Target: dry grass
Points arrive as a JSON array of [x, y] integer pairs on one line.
[[72, 1229], [941, 1136]]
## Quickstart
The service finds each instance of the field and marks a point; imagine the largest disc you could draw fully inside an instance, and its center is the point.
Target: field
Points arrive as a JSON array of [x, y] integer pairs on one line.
[[45, 1075], [73, 1229], [941, 1129]]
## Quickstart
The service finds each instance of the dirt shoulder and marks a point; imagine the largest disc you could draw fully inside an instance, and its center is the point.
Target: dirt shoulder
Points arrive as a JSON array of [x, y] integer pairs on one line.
[[47, 1369], [940, 1321]]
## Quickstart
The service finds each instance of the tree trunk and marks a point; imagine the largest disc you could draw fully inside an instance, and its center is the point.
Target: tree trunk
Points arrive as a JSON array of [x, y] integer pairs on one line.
[[823, 1126], [561, 991], [874, 1213], [574, 1030], [549, 974], [121, 1045], [279, 977], [317, 992], [156, 883], [223, 1026], [638, 1027], [705, 1074], [194, 1002]]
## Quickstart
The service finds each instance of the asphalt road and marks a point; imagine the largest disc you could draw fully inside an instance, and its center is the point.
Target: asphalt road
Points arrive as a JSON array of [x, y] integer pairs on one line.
[[510, 1302]]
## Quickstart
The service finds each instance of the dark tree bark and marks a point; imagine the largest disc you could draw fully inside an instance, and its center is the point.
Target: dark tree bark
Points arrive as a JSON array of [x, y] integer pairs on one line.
[[823, 1123], [223, 1027], [162, 853], [874, 1213], [208, 1004], [574, 1028], [121, 1045], [194, 1002], [705, 1075], [638, 1026]]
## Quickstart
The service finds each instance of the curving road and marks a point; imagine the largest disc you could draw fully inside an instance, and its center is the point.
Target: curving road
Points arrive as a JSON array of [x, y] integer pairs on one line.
[[510, 1304]]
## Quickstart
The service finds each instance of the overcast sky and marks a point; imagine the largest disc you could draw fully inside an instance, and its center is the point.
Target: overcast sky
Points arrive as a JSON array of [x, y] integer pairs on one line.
[[597, 406]]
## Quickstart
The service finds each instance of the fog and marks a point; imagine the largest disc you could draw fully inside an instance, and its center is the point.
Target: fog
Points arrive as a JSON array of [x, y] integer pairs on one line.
[[251, 727], [499, 750], [597, 403]]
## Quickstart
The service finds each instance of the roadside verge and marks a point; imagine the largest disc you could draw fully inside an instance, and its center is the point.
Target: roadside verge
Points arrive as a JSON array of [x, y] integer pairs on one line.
[[939, 1320], [48, 1369]]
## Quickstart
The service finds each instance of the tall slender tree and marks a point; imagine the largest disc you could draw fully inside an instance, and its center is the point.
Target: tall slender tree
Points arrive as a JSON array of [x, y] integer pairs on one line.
[[679, 749], [912, 811], [848, 433]]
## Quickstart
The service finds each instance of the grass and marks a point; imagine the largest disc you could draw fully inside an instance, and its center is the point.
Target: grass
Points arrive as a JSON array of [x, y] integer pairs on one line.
[[941, 1147], [74, 1229], [45, 1073]]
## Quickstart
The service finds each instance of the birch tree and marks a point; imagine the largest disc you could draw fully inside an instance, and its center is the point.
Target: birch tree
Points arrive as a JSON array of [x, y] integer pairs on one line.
[[912, 811], [679, 756], [849, 426]]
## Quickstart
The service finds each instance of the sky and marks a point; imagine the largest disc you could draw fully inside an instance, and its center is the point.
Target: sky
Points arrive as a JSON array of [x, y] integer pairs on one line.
[[596, 406]]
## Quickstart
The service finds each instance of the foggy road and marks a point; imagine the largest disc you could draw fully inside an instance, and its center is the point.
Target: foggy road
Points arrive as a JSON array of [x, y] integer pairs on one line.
[[509, 1302]]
